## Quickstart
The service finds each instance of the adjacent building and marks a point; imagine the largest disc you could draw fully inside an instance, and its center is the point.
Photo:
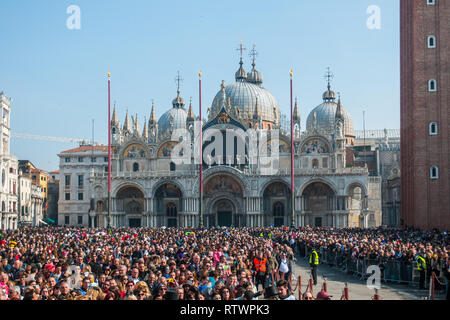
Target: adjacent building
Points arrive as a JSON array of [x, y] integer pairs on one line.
[[53, 196], [9, 170], [380, 151], [30, 202], [425, 116], [75, 190]]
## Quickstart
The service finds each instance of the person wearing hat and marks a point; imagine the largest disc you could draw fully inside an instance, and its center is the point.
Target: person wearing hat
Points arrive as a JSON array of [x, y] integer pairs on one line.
[[322, 295], [271, 293], [283, 291], [171, 294]]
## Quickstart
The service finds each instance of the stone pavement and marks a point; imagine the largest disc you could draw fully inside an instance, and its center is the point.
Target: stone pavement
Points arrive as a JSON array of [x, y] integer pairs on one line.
[[358, 289]]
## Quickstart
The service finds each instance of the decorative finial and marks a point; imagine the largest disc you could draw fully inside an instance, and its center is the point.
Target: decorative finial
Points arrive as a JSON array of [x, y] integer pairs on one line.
[[291, 73], [200, 74], [178, 80], [253, 54], [109, 74], [241, 49], [329, 76]]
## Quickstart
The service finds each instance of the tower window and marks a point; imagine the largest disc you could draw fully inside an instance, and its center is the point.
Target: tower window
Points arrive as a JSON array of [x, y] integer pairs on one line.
[[431, 42], [172, 166], [432, 85], [431, 2], [434, 172], [135, 167], [433, 128]]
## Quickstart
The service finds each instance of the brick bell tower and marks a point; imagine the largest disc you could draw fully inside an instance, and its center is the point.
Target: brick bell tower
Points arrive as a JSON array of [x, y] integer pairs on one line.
[[425, 116]]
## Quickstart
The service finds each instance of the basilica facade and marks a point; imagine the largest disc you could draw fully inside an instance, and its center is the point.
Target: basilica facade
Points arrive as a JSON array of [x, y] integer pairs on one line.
[[150, 189]]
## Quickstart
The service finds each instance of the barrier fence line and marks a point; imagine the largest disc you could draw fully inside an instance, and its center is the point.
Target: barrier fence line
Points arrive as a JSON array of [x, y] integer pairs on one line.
[[391, 270]]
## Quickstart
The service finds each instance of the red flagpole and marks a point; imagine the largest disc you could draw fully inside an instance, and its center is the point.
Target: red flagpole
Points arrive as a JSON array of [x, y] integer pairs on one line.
[[292, 160], [201, 149], [109, 150]]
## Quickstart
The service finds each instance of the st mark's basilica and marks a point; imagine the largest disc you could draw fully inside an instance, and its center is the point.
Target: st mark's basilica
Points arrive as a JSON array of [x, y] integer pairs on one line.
[[150, 190]]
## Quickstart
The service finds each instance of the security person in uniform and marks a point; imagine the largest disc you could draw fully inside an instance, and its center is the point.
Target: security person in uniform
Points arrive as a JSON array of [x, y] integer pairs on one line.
[[313, 263], [421, 267], [260, 267]]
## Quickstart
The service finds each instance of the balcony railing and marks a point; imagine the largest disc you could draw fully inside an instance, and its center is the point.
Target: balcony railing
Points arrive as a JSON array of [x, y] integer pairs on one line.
[[246, 170]]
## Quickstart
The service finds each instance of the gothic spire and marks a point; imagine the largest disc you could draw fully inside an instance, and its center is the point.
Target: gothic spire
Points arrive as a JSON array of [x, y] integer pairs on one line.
[[114, 119], [145, 134], [153, 115], [137, 130], [296, 111], [191, 112], [127, 124], [339, 109]]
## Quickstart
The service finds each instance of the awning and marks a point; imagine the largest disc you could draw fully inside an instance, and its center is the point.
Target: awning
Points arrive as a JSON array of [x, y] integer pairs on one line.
[[49, 221]]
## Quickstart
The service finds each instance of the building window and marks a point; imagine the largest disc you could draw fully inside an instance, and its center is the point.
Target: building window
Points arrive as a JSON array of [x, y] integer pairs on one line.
[[106, 159], [93, 159], [80, 181], [432, 85], [172, 166], [431, 2], [431, 42], [433, 128], [67, 160], [80, 196], [80, 159], [434, 172], [66, 220], [315, 164], [135, 167], [80, 219], [325, 162], [67, 179], [67, 196]]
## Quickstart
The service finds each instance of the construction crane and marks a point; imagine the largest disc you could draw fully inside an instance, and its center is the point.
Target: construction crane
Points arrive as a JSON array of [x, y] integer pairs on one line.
[[55, 139]]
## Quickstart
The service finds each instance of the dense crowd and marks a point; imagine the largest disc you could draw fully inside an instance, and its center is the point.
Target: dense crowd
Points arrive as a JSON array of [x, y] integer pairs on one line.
[[60, 263]]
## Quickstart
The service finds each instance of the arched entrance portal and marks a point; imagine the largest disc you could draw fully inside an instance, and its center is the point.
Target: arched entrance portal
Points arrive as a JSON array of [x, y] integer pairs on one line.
[[131, 201], [318, 200], [168, 204], [223, 198], [224, 212], [277, 203]]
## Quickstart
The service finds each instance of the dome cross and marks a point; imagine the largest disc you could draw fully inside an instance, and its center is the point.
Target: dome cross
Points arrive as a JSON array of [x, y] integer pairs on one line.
[[329, 76]]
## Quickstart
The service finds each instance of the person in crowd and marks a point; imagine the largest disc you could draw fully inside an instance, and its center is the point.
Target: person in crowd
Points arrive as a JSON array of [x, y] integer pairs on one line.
[[78, 263]]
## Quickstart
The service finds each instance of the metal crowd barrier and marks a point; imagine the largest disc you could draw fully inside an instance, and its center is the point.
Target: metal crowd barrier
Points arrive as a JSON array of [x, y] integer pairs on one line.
[[392, 271]]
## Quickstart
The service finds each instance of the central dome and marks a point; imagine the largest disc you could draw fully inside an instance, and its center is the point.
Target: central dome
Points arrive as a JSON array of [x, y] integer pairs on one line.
[[244, 95]]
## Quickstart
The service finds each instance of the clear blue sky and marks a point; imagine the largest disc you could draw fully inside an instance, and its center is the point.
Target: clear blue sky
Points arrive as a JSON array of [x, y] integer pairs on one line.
[[58, 77]]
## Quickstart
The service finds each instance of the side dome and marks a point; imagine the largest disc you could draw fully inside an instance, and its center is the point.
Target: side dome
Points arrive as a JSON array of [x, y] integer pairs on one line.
[[324, 116], [171, 120]]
